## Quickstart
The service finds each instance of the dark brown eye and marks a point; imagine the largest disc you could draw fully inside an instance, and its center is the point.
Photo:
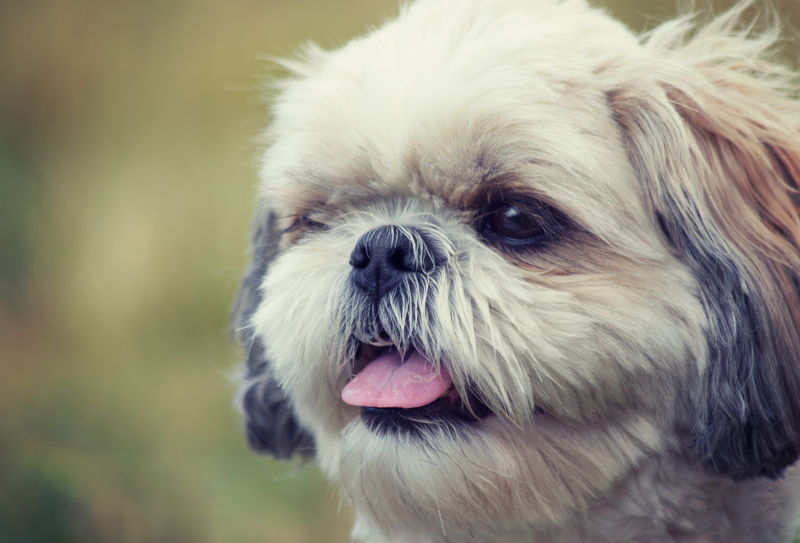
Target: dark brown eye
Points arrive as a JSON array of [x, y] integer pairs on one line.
[[303, 223], [514, 223], [311, 224]]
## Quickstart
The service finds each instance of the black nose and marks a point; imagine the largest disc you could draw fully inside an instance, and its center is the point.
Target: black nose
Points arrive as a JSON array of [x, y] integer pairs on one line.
[[385, 256]]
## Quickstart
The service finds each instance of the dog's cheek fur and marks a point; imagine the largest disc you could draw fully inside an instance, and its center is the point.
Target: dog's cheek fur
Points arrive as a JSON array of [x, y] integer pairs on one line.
[[587, 340], [270, 424], [304, 343], [722, 171]]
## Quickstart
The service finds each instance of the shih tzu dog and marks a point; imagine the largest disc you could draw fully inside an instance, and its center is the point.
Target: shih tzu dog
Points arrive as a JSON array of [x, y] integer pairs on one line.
[[519, 275]]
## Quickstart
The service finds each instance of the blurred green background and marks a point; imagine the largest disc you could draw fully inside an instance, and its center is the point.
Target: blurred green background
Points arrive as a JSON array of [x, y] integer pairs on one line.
[[126, 184]]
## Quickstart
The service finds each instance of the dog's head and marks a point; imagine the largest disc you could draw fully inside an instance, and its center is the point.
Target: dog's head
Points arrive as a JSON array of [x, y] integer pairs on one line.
[[506, 253]]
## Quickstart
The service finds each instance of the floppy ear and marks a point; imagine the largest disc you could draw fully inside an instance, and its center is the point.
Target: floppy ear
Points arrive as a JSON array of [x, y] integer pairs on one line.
[[269, 422], [713, 132]]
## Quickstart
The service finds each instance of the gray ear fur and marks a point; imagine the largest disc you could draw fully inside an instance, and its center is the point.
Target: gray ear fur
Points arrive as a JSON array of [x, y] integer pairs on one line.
[[718, 152], [270, 424]]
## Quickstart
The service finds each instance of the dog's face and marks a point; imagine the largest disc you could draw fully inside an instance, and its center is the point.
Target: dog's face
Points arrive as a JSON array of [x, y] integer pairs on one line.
[[503, 260]]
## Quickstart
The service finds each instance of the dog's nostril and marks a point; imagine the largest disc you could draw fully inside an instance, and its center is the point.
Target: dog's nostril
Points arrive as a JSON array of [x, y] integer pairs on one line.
[[359, 257], [401, 259]]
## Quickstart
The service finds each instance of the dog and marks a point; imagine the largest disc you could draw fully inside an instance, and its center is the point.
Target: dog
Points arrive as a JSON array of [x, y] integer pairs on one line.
[[521, 275]]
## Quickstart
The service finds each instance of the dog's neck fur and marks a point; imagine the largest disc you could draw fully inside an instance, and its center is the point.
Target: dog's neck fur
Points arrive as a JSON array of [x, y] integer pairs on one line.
[[666, 502]]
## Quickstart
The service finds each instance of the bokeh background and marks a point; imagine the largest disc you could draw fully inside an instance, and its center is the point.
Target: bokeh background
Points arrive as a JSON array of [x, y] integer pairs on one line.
[[126, 183]]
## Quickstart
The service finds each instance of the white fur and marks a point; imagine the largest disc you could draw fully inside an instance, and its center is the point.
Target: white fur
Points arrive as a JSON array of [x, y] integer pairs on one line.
[[399, 127]]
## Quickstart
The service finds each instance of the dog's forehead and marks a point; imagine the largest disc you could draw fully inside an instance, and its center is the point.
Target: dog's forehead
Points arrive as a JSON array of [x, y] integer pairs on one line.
[[446, 96]]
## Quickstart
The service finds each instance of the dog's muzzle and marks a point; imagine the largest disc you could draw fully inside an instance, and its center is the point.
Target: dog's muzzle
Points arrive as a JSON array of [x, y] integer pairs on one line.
[[398, 392]]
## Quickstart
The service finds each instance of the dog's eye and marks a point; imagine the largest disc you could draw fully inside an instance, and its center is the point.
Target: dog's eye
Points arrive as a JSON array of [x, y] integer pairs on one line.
[[515, 223], [305, 223], [522, 224], [311, 224]]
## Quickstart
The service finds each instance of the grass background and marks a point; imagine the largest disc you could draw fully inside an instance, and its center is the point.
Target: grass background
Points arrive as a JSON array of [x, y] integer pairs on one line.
[[126, 181]]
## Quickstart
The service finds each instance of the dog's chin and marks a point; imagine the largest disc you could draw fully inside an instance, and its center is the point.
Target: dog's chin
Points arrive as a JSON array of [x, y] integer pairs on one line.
[[427, 469], [391, 467]]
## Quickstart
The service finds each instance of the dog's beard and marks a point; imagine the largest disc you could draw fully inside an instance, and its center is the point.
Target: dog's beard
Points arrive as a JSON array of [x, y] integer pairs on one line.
[[550, 363], [489, 475]]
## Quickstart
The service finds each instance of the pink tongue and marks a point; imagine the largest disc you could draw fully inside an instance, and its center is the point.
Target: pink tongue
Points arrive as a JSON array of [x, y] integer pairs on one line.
[[385, 382]]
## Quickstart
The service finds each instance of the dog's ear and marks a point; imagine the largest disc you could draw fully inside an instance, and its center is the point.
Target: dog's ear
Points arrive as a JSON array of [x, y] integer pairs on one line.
[[269, 421], [713, 132]]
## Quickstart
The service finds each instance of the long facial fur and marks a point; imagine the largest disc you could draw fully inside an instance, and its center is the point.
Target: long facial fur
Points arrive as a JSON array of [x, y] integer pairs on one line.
[[661, 324], [481, 329]]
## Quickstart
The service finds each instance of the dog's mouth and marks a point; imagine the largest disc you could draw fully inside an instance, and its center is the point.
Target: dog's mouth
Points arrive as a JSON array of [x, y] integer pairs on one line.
[[407, 394]]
